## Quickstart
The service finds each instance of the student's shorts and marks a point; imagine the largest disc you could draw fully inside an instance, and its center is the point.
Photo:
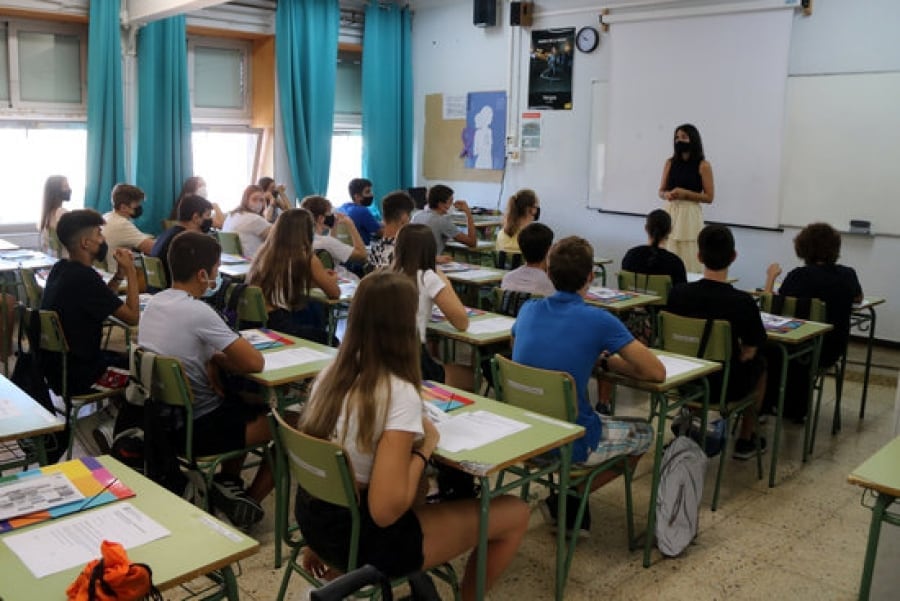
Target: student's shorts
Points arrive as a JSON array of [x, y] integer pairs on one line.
[[395, 550], [620, 436], [224, 429]]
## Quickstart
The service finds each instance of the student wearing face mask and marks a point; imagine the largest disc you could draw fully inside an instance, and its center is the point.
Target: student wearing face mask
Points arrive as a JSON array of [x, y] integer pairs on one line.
[[687, 182], [248, 220], [83, 301], [276, 197], [326, 222], [357, 209], [177, 323], [196, 186], [56, 192], [194, 215], [120, 231]]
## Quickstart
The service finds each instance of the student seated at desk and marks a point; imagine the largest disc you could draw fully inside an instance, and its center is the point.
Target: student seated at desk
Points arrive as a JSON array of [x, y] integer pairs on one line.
[[437, 217], [534, 240], [397, 208], [325, 238], [415, 257], [368, 401], [83, 301], [194, 215], [652, 258], [56, 192], [357, 209], [563, 333], [250, 220], [119, 229], [714, 298], [522, 208], [196, 186], [176, 323], [277, 201], [286, 268], [821, 277]]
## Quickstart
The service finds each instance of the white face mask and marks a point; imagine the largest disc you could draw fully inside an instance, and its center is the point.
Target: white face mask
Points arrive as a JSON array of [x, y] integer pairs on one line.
[[201, 191]]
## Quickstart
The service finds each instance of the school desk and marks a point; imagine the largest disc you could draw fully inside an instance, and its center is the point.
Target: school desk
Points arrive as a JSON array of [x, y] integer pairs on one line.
[[662, 405], [600, 264], [863, 318], [236, 271], [879, 476], [6, 245], [21, 417], [479, 342], [635, 301], [197, 544], [542, 435], [483, 251], [334, 306]]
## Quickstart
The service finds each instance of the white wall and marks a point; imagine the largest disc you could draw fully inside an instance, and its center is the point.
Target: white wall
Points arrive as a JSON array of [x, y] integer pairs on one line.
[[450, 55]]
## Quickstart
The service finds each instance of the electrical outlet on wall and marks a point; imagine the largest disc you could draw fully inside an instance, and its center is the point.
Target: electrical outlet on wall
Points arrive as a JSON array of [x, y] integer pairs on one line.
[[514, 154]]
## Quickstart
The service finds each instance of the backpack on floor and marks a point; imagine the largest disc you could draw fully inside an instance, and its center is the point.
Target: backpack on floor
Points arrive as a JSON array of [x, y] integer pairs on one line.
[[679, 495]]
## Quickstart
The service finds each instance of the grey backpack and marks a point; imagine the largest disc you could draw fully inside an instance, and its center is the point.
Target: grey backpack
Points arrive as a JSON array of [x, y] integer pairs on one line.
[[679, 495]]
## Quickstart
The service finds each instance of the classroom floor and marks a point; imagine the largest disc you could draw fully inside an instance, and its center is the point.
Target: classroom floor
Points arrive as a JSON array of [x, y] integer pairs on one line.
[[803, 539]]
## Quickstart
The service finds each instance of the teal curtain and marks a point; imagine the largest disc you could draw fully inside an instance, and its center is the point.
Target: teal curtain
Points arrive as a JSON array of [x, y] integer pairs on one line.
[[387, 98], [164, 157], [105, 129], [306, 40]]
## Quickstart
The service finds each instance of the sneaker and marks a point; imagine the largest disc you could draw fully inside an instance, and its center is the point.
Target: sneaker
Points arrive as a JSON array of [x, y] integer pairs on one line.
[[746, 448], [228, 495], [548, 511], [603, 408]]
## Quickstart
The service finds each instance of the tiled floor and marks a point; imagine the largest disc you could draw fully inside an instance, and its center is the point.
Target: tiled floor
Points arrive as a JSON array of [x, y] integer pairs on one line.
[[803, 539]]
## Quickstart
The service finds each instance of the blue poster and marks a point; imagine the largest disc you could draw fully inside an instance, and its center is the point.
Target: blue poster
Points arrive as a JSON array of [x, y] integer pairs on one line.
[[484, 138]]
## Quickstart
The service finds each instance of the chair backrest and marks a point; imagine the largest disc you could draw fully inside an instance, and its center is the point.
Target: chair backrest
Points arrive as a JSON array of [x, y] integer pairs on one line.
[[326, 258], [550, 393], [155, 273], [508, 302], [33, 292], [230, 243], [507, 260], [53, 337], [250, 306], [167, 223], [792, 306], [53, 243], [645, 283], [684, 335], [343, 234]]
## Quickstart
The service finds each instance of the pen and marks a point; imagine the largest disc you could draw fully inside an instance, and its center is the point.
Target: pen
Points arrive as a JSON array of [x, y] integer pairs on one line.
[[94, 498]]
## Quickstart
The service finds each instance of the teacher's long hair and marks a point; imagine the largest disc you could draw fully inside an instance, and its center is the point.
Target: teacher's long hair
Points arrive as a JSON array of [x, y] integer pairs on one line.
[[696, 143], [381, 341]]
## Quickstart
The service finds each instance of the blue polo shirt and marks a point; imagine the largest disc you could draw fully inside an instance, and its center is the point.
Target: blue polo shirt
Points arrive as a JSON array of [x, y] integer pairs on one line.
[[563, 333], [363, 219]]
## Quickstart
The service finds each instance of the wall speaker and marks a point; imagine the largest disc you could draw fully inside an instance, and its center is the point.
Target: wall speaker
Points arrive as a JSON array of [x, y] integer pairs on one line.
[[520, 14], [484, 13]]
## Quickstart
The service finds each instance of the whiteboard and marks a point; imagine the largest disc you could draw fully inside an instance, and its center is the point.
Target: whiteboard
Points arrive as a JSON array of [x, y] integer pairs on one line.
[[727, 75], [842, 151]]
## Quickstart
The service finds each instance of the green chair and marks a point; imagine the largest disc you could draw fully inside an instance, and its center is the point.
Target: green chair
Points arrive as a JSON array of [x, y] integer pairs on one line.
[[323, 470], [508, 302], [645, 283], [250, 307], [155, 273], [553, 393], [326, 258], [33, 293], [812, 309], [53, 340], [685, 336], [506, 260], [230, 243]]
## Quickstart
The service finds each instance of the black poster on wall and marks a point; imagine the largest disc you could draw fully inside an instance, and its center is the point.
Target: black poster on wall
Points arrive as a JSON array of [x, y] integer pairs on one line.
[[550, 69]]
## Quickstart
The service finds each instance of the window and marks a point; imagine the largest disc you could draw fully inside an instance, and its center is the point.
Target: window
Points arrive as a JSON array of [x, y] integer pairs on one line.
[[226, 160], [42, 68], [346, 141], [346, 163], [219, 78], [33, 152]]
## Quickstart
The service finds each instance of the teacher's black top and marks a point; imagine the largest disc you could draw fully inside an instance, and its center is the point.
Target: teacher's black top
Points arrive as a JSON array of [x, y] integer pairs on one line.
[[685, 174]]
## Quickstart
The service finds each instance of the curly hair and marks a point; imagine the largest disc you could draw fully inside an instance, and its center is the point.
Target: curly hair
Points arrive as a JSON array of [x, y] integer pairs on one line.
[[818, 243]]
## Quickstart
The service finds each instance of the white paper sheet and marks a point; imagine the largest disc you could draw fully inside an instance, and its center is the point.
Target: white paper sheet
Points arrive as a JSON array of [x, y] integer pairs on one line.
[[675, 366], [476, 429], [293, 357], [228, 259], [72, 542], [37, 493], [774, 321], [453, 267], [477, 274], [605, 293], [490, 325], [8, 409]]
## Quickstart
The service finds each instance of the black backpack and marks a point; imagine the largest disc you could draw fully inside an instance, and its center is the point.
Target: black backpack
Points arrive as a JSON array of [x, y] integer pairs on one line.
[[227, 299]]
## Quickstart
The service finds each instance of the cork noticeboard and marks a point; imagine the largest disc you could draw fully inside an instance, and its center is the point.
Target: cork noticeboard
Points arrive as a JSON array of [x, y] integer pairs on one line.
[[443, 143]]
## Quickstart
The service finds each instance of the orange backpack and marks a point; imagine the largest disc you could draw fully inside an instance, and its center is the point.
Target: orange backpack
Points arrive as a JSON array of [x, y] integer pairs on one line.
[[113, 578]]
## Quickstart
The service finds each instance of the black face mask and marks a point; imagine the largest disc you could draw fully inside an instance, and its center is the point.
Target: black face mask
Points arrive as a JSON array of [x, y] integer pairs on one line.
[[537, 213], [367, 201], [102, 251], [66, 195], [206, 225], [137, 211], [682, 147], [329, 221]]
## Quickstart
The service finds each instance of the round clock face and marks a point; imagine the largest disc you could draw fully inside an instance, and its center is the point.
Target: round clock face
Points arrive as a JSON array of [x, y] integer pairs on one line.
[[587, 39]]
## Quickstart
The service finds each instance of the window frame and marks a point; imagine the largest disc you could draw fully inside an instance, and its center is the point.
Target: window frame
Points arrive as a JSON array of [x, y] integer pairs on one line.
[[204, 116], [19, 109]]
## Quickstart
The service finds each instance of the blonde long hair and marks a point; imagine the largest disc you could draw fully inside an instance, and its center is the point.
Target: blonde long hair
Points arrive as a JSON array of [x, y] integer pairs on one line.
[[517, 210], [282, 266], [381, 341]]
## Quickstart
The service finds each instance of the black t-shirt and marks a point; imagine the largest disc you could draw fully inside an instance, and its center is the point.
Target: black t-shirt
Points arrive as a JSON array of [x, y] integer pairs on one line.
[[82, 300], [837, 286], [655, 261], [161, 248]]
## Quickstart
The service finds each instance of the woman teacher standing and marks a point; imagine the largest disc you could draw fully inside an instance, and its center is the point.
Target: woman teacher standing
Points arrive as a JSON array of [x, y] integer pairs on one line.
[[687, 181]]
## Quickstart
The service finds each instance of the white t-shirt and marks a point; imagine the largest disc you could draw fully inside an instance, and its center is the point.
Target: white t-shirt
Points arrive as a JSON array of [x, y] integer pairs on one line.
[[334, 247], [249, 228], [176, 324], [528, 279], [120, 232], [404, 414], [430, 284]]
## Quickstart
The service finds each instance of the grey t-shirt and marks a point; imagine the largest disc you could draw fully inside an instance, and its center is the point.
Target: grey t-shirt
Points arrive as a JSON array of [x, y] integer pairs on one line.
[[442, 226], [528, 279], [178, 325]]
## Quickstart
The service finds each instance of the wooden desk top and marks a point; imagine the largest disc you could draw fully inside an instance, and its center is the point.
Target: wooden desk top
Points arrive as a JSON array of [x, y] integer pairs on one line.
[[476, 274], [6, 245], [880, 471], [27, 417], [868, 302], [635, 301], [25, 259]]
